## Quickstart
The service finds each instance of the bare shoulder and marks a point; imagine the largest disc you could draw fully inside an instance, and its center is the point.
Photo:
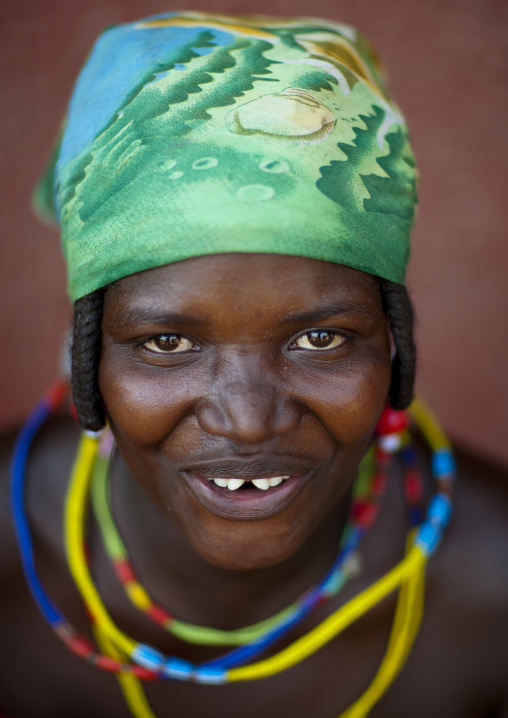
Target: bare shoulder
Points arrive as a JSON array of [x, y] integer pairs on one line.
[[468, 578], [476, 545]]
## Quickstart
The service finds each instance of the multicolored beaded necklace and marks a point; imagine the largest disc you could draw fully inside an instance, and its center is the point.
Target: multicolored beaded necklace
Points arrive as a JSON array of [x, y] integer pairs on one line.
[[367, 490], [132, 660]]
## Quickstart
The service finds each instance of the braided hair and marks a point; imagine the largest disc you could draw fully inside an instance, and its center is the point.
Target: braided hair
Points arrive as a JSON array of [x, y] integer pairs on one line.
[[399, 310], [86, 350], [86, 347]]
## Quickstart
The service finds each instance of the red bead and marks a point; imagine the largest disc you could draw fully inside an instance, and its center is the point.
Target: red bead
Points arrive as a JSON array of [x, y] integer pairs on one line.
[[357, 509], [56, 394], [80, 646], [391, 422], [74, 412], [124, 571], [159, 615], [364, 513], [108, 664], [320, 601], [413, 486], [369, 515], [144, 674], [379, 483]]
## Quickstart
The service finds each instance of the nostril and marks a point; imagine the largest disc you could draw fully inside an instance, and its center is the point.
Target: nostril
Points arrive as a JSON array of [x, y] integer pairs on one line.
[[211, 419], [248, 415]]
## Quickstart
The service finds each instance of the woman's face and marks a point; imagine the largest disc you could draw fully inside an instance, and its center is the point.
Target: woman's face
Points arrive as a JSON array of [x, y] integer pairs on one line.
[[246, 367]]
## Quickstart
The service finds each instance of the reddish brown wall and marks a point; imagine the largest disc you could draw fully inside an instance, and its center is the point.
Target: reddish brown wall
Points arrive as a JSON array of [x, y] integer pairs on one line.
[[448, 64]]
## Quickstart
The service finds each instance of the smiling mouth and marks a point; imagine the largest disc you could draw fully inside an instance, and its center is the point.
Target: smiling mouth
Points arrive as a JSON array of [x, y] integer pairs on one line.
[[246, 498], [244, 488]]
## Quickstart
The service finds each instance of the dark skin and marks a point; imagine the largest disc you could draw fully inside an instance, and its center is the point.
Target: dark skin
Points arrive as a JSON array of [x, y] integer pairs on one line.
[[255, 366]]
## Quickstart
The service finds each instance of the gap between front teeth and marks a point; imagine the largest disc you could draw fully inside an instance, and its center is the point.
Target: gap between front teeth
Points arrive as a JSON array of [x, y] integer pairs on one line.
[[264, 484]]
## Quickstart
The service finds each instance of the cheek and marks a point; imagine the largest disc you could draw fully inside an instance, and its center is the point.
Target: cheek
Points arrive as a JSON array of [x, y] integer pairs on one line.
[[146, 404], [350, 400]]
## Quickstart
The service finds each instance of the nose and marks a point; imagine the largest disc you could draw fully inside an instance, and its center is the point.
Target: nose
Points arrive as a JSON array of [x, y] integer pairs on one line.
[[249, 405]]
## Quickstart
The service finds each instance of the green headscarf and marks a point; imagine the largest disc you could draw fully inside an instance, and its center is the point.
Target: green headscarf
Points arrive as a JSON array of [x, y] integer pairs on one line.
[[192, 134]]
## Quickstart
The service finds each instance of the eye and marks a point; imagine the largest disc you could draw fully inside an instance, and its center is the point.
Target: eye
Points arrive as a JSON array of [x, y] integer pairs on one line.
[[169, 344], [318, 339]]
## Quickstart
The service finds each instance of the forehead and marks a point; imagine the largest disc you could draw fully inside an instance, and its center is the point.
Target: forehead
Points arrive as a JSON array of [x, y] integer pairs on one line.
[[243, 283]]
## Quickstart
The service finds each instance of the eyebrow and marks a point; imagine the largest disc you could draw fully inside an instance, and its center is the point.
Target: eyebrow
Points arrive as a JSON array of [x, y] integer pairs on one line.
[[354, 309], [139, 316]]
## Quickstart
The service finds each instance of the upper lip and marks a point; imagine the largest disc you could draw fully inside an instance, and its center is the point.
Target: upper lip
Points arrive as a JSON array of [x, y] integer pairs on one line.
[[248, 468]]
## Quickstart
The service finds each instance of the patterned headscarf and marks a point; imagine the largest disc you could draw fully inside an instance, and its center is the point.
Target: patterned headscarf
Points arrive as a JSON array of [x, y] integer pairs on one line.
[[192, 134]]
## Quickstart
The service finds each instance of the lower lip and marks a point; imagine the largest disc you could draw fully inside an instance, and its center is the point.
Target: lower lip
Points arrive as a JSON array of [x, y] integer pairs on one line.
[[247, 504]]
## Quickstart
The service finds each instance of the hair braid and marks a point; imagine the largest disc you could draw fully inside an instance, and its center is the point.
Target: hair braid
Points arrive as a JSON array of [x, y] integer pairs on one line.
[[397, 306], [86, 347]]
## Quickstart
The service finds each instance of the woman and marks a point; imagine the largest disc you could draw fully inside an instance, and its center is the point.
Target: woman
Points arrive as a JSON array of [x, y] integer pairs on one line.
[[235, 197]]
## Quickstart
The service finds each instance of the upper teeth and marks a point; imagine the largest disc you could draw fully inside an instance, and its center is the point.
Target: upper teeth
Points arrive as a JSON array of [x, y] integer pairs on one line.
[[264, 484]]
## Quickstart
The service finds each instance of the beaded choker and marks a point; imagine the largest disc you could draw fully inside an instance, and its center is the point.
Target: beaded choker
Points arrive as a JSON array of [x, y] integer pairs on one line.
[[132, 660]]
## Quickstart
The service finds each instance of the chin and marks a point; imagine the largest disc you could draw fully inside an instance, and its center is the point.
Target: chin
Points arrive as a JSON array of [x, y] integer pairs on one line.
[[246, 546]]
